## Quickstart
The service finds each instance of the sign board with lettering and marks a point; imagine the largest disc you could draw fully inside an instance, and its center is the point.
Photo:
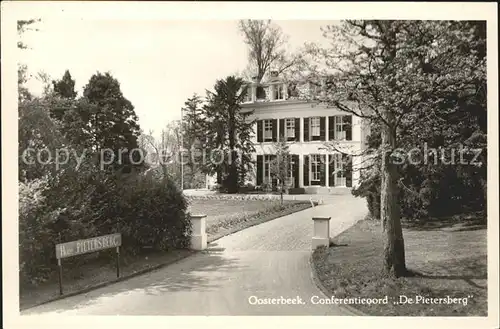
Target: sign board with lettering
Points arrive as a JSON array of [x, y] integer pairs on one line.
[[79, 247]]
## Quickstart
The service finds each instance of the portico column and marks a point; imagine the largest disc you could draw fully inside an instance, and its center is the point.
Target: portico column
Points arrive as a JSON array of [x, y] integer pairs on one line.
[[278, 129], [327, 171], [301, 170], [327, 168]]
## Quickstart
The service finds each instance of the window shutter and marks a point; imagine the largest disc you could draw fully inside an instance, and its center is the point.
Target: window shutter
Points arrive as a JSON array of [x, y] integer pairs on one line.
[[282, 128], [322, 127], [275, 130], [348, 127], [331, 169], [306, 129], [306, 170], [347, 163], [322, 170], [260, 129], [260, 165], [297, 130], [331, 128], [295, 169]]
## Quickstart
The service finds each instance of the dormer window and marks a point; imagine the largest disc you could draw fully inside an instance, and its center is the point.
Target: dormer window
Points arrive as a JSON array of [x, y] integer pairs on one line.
[[262, 92], [248, 95], [279, 92]]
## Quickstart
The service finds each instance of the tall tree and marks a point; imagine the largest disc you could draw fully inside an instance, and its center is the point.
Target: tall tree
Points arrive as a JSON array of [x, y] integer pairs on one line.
[[112, 119], [193, 135], [266, 48], [229, 133], [65, 87], [394, 73], [22, 69]]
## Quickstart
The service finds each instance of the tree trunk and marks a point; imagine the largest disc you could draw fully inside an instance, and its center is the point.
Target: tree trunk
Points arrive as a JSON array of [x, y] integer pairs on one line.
[[281, 193], [394, 249]]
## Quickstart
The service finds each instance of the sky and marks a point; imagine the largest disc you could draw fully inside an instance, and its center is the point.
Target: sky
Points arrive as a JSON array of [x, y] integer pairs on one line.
[[159, 64]]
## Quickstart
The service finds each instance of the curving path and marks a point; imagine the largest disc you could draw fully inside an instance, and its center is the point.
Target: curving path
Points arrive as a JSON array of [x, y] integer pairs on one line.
[[269, 260]]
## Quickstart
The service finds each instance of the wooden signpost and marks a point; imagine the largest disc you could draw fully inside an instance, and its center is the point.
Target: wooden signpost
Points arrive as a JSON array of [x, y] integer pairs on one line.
[[80, 247]]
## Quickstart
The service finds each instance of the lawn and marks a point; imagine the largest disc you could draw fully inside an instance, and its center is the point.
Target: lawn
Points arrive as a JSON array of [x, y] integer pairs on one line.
[[443, 261], [215, 208], [228, 216]]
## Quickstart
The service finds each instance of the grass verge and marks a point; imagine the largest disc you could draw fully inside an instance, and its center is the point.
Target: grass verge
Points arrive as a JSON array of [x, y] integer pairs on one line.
[[237, 222], [442, 262]]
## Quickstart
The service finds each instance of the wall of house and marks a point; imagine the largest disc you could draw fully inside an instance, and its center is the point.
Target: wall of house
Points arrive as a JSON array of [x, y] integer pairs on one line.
[[270, 108], [301, 109]]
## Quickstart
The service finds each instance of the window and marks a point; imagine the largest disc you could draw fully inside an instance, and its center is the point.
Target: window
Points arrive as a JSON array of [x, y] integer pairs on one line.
[[290, 128], [268, 130], [340, 179], [262, 93], [342, 125], [267, 169], [315, 127], [248, 95], [279, 92], [291, 168], [315, 167]]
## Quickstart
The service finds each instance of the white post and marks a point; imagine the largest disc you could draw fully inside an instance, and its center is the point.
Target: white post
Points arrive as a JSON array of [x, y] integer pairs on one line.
[[199, 235], [321, 232]]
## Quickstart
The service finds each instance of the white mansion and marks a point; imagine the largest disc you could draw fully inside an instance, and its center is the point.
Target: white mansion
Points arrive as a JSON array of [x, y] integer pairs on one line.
[[309, 127]]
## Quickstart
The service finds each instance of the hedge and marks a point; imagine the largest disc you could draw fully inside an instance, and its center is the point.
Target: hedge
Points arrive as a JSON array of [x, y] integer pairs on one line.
[[147, 212]]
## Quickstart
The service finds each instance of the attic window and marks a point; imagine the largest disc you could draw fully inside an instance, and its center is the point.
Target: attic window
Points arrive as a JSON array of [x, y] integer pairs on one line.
[[261, 92], [292, 90], [279, 91]]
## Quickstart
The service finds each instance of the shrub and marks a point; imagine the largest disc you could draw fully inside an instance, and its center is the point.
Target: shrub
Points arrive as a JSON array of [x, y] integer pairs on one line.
[[36, 232], [370, 189], [266, 187], [297, 190], [148, 213]]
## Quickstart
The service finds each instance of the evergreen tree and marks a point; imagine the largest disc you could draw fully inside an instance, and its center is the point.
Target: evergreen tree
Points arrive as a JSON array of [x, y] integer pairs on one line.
[[65, 87], [193, 137], [112, 121], [229, 132]]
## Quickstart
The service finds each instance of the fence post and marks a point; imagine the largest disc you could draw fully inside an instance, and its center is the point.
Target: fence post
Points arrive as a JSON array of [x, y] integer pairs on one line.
[[321, 232], [199, 234]]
